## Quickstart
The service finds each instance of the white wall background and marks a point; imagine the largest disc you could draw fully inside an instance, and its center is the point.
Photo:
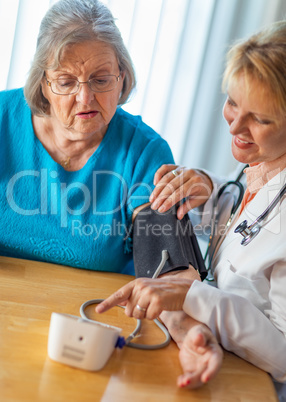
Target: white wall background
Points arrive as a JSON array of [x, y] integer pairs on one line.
[[178, 49]]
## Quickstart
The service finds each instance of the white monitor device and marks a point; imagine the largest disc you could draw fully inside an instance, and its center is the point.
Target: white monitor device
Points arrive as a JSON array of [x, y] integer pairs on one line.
[[81, 343]]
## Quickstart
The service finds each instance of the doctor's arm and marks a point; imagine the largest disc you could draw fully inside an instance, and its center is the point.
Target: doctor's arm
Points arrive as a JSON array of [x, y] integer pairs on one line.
[[241, 327], [200, 354]]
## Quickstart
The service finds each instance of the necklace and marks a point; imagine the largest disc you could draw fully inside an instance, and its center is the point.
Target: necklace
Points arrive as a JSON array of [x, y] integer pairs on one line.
[[65, 162]]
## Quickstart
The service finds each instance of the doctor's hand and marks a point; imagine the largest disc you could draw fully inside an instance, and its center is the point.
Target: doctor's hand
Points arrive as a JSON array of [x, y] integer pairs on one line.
[[174, 183], [147, 298]]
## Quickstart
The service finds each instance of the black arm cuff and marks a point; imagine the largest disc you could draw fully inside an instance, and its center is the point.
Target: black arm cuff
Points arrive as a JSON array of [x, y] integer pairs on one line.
[[154, 232]]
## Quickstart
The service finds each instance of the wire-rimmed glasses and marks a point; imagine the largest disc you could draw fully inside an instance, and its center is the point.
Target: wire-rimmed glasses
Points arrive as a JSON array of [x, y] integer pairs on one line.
[[70, 86]]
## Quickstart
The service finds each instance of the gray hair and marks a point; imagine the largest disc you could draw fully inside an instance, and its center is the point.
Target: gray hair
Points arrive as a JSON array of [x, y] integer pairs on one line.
[[70, 22]]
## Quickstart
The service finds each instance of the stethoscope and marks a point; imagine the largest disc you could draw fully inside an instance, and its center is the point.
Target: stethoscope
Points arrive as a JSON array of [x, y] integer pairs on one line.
[[249, 232], [208, 258]]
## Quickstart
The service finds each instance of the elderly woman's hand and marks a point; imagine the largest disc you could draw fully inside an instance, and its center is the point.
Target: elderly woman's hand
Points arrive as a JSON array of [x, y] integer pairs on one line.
[[200, 356], [147, 298], [174, 183]]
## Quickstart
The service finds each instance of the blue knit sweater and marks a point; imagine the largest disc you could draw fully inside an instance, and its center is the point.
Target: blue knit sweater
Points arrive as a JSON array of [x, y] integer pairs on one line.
[[81, 218]]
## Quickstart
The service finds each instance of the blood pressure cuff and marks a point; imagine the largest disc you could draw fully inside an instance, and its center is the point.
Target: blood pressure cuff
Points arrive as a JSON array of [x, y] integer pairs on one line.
[[154, 232]]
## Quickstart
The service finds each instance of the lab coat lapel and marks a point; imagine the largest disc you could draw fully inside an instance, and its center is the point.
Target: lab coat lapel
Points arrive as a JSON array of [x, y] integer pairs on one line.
[[252, 210]]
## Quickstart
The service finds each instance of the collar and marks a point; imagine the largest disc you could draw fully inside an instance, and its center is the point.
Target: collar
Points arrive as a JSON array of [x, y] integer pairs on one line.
[[258, 174]]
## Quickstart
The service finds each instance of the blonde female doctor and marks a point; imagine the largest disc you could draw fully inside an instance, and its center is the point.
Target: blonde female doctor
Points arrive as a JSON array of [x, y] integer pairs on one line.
[[246, 312]]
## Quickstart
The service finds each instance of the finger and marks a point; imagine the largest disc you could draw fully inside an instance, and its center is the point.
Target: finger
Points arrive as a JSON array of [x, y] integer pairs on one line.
[[199, 186], [172, 194], [190, 380], [123, 304], [184, 209], [213, 367], [183, 380], [135, 307], [131, 304], [188, 205], [129, 309], [193, 190], [153, 313], [168, 175], [199, 338], [162, 185], [162, 171], [120, 296], [154, 308], [148, 300], [170, 190], [188, 184], [139, 311], [207, 344]]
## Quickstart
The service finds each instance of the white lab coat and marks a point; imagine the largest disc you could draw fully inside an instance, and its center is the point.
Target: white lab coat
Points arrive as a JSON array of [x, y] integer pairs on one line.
[[247, 310]]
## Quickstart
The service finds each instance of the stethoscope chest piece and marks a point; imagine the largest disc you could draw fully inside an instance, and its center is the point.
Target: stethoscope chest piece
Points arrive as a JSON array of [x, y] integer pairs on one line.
[[248, 232]]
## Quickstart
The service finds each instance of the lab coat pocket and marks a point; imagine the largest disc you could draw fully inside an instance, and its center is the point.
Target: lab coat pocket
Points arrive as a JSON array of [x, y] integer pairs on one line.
[[255, 289]]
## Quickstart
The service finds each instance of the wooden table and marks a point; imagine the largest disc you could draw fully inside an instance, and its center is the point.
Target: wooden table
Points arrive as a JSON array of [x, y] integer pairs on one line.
[[31, 291]]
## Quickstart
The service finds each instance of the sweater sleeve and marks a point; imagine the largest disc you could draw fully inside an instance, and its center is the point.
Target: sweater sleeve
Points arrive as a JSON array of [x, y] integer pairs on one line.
[[145, 163], [156, 153], [240, 327]]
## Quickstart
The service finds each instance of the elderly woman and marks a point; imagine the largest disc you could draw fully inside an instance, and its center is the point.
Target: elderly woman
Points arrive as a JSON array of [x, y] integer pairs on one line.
[[74, 165], [246, 312]]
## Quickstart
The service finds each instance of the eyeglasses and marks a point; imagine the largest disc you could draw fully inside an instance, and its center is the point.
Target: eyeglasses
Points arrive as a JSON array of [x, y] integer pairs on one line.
[[70, 86]]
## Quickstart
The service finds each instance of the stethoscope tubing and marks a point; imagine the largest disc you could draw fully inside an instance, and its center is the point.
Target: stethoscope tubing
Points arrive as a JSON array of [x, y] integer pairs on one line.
[[270, 207], [247, 231], [214, 219]]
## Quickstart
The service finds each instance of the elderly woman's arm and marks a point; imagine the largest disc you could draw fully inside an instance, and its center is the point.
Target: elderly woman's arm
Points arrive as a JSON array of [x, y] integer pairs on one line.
[[240, 327]]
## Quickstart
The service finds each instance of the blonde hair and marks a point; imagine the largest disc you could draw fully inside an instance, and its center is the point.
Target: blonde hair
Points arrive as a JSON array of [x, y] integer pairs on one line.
[[262, 57], [70, 22]]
